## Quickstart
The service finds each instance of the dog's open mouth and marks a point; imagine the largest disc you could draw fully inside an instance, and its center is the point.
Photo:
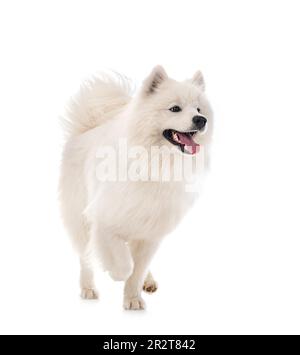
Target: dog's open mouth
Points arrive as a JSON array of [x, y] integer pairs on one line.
[[184, 140]]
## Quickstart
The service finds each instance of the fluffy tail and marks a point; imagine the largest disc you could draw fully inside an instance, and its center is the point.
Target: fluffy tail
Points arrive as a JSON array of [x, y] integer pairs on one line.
[[98, 100]]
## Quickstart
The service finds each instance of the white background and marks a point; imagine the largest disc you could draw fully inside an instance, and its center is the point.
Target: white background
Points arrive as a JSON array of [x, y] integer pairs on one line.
[[232, 266]]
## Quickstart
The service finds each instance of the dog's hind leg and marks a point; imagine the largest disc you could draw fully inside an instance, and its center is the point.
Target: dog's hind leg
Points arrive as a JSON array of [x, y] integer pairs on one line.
[[88, 289], [150, 285]]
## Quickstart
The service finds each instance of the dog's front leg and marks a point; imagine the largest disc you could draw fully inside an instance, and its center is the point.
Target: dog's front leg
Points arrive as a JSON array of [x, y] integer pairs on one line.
[[142, 252], [114, 253]]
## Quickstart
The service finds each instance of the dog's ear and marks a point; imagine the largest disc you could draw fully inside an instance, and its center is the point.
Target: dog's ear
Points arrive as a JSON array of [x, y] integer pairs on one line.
[[152, 82], [198, 80]]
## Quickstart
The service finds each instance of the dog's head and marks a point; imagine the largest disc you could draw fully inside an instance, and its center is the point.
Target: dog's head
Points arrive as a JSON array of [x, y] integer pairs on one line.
[[174, 113]]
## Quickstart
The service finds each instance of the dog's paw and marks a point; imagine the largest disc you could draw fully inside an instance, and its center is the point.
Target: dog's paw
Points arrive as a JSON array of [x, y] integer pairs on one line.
[[134, 303], [150, 286], [89, 294]]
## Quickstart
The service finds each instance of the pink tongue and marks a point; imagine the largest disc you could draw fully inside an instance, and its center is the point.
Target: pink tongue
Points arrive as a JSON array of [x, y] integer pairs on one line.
[[189, 145]]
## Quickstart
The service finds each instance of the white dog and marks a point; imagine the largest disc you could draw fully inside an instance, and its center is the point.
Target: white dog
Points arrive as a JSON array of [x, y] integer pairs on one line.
[[122, 221]]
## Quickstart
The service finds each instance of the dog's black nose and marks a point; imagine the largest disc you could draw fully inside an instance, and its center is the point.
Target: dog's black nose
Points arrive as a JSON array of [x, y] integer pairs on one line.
[[199, 121]]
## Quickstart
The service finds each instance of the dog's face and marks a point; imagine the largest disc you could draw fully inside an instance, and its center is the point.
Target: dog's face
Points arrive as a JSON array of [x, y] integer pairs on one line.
[[175, 113]]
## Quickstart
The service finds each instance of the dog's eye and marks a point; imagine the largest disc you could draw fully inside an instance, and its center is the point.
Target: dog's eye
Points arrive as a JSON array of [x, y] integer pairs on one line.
[[175, 109], [198, 109]]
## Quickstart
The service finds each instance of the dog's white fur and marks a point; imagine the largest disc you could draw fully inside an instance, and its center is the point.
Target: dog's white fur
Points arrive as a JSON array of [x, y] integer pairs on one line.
[[124, 222]]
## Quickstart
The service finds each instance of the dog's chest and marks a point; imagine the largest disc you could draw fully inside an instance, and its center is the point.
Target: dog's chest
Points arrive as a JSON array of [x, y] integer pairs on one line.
[[152, 210]]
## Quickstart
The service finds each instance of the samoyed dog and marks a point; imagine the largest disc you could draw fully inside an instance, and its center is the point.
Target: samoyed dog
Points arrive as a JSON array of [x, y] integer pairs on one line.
[[120, 220]]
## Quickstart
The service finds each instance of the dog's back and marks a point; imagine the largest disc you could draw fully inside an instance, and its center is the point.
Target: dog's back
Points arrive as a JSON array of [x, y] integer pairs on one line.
[[98, 100]]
